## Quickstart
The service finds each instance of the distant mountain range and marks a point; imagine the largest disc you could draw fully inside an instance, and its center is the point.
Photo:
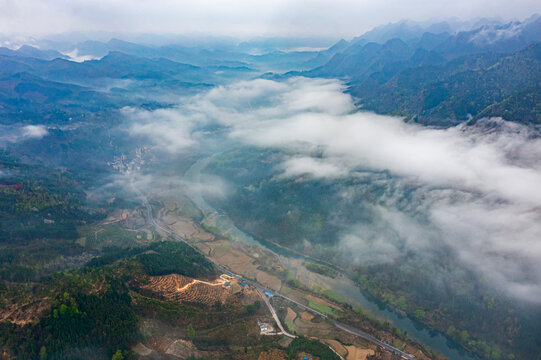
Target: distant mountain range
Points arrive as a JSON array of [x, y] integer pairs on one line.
[[439, 78], [31, 85], [438, 73]]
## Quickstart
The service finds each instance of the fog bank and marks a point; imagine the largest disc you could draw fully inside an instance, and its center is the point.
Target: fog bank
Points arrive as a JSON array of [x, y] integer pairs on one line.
[[475, 189]]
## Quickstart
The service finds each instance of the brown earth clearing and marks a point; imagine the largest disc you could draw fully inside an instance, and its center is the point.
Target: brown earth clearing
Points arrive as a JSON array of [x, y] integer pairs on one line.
[[180, 288], [274, 354], [25, 313], [337, 346], [291, 315], [269, 281], [355, 353], [306, 316]]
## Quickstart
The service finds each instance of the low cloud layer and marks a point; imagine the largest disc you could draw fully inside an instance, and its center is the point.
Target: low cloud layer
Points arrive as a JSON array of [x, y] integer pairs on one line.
[[17, 134], [476, 189]]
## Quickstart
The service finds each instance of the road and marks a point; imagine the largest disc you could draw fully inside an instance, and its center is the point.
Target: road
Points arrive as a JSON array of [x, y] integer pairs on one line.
[[261, 289], [274, 315]]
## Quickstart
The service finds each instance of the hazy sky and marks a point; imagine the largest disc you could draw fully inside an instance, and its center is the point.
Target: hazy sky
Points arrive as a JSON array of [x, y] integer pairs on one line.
[[240, 17]]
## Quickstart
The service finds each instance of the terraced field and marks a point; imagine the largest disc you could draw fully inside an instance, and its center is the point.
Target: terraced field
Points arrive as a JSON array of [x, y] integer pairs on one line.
[[180, 288]]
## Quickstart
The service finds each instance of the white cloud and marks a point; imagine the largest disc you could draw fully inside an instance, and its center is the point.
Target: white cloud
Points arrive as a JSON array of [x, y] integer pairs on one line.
[[312, 167], [475, 189], [11, 134], [34, 131], [74, 56], [239, 17], [169, 128]]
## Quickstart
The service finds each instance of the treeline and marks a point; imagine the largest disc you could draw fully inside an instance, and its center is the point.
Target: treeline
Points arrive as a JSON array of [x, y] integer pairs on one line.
[[472, 313], [168, 257], [297, 210], [320, 269], [78, 326], [40, 203], [449, 92], [161, 258], [313, 347]]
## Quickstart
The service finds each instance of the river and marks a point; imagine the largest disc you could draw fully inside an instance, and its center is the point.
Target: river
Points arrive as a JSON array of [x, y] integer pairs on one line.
[[342, 286]]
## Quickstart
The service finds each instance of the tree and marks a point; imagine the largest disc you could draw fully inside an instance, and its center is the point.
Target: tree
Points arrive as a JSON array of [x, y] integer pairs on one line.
[[464, 336], [118, 355], [43, 353], [191, 332]]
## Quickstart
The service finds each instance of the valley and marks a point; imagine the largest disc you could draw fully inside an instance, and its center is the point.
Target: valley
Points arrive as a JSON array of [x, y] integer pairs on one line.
[[245, 256], [197, 197], [265, 293]]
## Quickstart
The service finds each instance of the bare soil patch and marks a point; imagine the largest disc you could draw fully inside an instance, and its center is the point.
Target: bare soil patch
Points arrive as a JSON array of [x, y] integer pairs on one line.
[[175, 287], [239, 263], [142, 350], [291, 315], [269, 281], [306, 316], [25, 313], [186, 228], [355, 353], [273, 354], [337, 346], [322, 330]]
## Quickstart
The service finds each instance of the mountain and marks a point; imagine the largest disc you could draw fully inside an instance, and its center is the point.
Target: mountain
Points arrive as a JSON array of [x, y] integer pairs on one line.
[[30, 51], [408, 30], [100, 49], [440, 78], [456, 90], [358, 60], [505, 38], [118, 65], [403, 30], [369, 52], [324, 56], [86, 273], [523, 106], [271, 59], [429, 40], [24, 97]]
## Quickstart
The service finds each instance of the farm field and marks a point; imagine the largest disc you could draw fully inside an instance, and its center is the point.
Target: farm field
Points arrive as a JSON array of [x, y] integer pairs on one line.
[[182, 289], [267, 268]]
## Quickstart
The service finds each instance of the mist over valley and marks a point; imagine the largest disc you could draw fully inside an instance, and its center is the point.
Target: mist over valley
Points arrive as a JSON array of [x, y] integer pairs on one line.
[[194, 196]]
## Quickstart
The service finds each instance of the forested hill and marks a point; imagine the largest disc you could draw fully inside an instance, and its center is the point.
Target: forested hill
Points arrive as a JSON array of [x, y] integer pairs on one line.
[[472, 86], [440, 79]]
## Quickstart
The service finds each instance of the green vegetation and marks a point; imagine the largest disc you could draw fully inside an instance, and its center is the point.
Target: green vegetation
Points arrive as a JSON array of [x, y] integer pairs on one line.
[[75, 322], [84, 320], [405, 284], [167, 257], [37, 202], [252, 308], [290, 325], [446, 93], [191, 332], [118, 355], [55, 190], [327, 310], [108, 236], [475, 341], [327, 293], [313, 347], [41, 210], [320, 269], [524, 107]]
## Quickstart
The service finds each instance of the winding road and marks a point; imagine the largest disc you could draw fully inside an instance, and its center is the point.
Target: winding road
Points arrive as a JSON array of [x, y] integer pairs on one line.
[[263, 290]]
